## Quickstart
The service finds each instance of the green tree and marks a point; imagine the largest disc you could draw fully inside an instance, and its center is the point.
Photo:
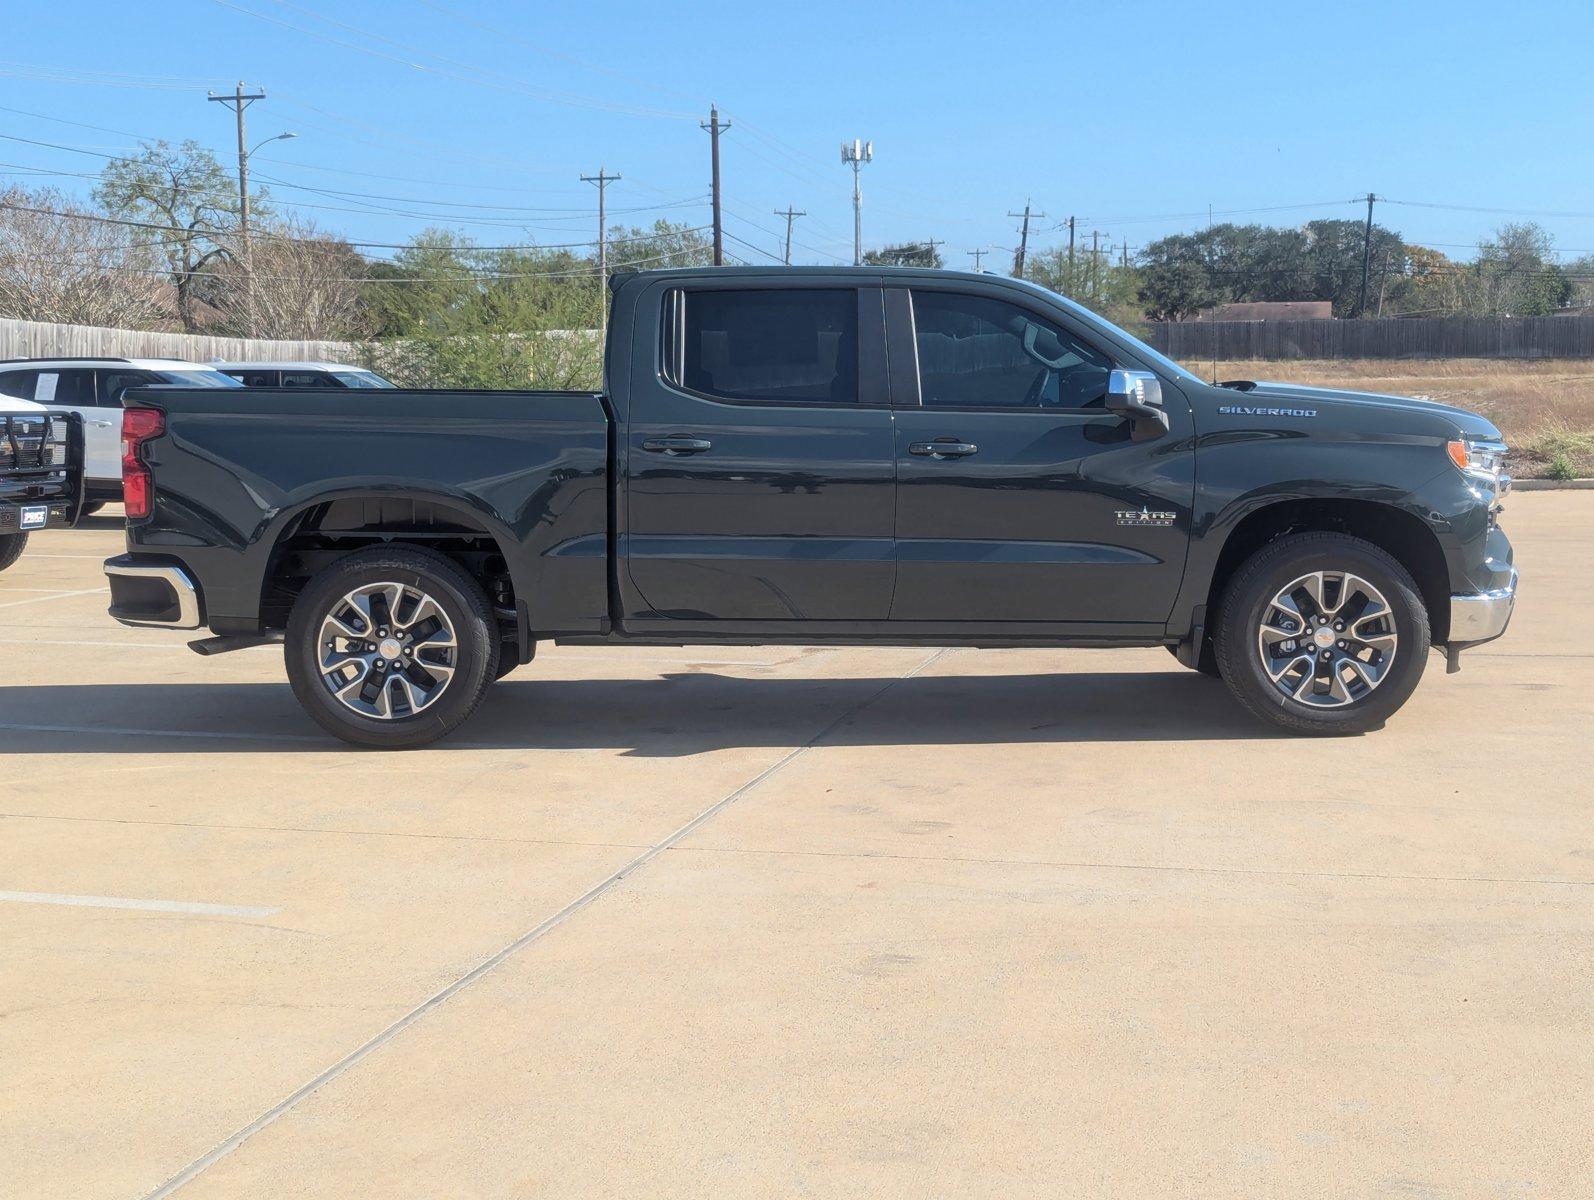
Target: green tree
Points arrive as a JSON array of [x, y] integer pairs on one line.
[[910, 254], [1517, 276], [184, 191]]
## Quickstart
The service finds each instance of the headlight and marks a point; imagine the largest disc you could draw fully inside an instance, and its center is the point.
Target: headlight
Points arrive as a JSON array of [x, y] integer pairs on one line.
[[1481, 460]]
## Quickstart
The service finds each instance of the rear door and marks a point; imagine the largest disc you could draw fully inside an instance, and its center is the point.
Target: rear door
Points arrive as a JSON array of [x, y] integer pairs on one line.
[[72, 389], [1019, 497], [758, 454]]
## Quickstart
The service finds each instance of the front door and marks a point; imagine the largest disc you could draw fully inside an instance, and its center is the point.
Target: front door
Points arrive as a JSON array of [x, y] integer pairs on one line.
[[1019, 497], [758, 457], [71, 389]]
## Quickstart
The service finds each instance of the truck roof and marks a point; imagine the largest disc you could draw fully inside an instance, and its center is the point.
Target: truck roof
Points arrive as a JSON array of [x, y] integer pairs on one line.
[[148, 364], [779, 269]]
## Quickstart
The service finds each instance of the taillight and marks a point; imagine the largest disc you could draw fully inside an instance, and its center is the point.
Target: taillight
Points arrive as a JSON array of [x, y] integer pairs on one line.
[[139, 425]]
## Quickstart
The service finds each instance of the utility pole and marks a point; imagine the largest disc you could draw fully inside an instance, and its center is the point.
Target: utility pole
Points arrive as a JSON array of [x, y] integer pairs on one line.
[[976, 255], [1124, 262], [716, 127], [1095, 261], [602, 180], [238, 102], [1367, 253], [1023, 239], [791, 214], [855, 155], [1071, 254]]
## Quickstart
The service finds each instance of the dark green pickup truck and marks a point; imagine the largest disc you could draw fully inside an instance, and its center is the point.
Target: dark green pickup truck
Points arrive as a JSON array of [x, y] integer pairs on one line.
[[822, 456]]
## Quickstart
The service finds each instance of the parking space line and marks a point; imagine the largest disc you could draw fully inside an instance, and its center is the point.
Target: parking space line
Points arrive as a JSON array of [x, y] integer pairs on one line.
[[122, 731], [172, 906], [55, 596], [107, 645], [536, 933]]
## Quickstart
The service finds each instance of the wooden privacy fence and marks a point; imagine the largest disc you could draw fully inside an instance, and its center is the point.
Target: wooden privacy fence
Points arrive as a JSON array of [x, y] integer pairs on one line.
[[1413, 337], [41, 339]]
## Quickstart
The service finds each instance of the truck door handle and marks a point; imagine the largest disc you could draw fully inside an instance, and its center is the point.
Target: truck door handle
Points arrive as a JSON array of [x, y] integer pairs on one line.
[[100, 424], [944, 448], [677, 445]]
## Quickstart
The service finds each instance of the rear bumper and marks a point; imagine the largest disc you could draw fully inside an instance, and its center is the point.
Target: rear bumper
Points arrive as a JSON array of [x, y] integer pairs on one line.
[[23, 516], [149, 593], [1482, 616]]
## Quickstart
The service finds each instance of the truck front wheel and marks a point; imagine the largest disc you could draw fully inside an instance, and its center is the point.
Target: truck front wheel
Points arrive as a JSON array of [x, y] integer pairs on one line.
[[391, 647], [1322, 633], [11, 547]]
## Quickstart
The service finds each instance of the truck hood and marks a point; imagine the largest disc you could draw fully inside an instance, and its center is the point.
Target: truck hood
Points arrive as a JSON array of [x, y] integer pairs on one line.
[[1470, 424]]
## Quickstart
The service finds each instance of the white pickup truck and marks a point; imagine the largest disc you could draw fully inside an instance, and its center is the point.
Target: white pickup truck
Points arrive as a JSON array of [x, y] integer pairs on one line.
[[92, 388]]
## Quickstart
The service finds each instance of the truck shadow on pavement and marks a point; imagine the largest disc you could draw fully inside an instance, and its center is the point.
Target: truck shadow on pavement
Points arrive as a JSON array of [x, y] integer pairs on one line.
[[672, 716]]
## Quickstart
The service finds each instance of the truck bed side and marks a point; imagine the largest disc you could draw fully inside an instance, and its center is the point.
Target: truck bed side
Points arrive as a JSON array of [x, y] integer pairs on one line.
[[246, 482]]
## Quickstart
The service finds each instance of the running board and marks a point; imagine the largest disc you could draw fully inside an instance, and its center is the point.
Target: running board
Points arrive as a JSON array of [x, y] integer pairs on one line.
[[225, 643]]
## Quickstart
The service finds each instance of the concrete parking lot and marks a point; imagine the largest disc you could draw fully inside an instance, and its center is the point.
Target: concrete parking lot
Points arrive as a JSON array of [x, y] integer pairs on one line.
[[784, 921]]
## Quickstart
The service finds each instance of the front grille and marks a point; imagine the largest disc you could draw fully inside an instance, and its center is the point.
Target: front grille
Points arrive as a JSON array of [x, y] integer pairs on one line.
[[24, 445]]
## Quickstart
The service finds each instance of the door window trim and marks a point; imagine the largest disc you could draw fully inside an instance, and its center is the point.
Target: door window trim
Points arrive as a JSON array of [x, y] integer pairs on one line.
[[903, 339], [868, 371]]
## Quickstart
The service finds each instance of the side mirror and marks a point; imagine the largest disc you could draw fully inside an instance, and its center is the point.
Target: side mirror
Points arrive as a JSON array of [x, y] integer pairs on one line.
[[1138, 396]]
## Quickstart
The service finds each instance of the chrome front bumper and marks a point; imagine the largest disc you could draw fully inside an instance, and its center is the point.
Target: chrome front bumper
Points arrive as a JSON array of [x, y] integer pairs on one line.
[[1483, 616], [152, 594]]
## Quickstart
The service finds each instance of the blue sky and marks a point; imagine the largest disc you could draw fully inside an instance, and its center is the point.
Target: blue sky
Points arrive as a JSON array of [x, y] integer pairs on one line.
[[1136, 117]]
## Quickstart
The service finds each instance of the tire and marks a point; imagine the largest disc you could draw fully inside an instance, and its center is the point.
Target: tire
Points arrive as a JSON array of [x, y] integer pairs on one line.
[[457, 634], [1348, 572], [11, 547], [1207, 664]]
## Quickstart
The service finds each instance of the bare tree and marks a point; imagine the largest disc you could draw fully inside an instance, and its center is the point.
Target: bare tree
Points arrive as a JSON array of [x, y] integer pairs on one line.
[[184, 193], [59, 264], [306, 284]]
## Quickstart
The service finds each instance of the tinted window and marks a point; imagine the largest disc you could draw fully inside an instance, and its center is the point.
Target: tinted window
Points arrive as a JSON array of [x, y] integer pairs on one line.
[[793, 346], [18, 384], [67, 386], [114, 383], [308, 379], [199, 377], [361, 379], [254, 378], [975, 352]]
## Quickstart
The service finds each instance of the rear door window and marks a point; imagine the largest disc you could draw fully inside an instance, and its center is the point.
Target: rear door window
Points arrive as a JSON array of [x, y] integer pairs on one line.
[[769, 345]]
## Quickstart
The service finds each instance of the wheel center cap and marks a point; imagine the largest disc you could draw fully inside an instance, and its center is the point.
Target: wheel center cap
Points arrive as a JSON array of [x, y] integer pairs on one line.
[[1323, 636], [390, 648]]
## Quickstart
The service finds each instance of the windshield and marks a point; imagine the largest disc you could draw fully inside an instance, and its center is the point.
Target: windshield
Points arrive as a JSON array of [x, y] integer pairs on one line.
[[1084, 314], [198, 378], [361, 379]]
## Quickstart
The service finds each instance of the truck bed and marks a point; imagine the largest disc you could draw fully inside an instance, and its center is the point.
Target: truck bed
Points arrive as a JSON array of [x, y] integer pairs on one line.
[[240, 473]]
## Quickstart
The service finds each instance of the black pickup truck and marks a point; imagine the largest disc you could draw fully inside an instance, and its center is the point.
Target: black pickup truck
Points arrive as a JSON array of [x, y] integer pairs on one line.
[[885, 457]]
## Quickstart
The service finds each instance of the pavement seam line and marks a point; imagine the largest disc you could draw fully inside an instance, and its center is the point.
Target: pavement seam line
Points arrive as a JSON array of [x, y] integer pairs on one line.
[[196, 1168], [56, 596]]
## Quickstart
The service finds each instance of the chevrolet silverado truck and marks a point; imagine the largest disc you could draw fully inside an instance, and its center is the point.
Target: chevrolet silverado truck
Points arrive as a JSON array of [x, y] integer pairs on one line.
[[822, 456], [41, 473]]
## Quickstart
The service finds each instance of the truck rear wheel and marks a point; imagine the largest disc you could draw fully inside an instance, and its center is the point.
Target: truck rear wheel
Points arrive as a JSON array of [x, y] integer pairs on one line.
[[391, 647], [1322, 633], [11, 547]]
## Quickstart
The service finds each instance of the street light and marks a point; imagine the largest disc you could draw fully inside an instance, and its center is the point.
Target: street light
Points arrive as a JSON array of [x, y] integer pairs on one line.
[[243, 221], [281, 137]]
